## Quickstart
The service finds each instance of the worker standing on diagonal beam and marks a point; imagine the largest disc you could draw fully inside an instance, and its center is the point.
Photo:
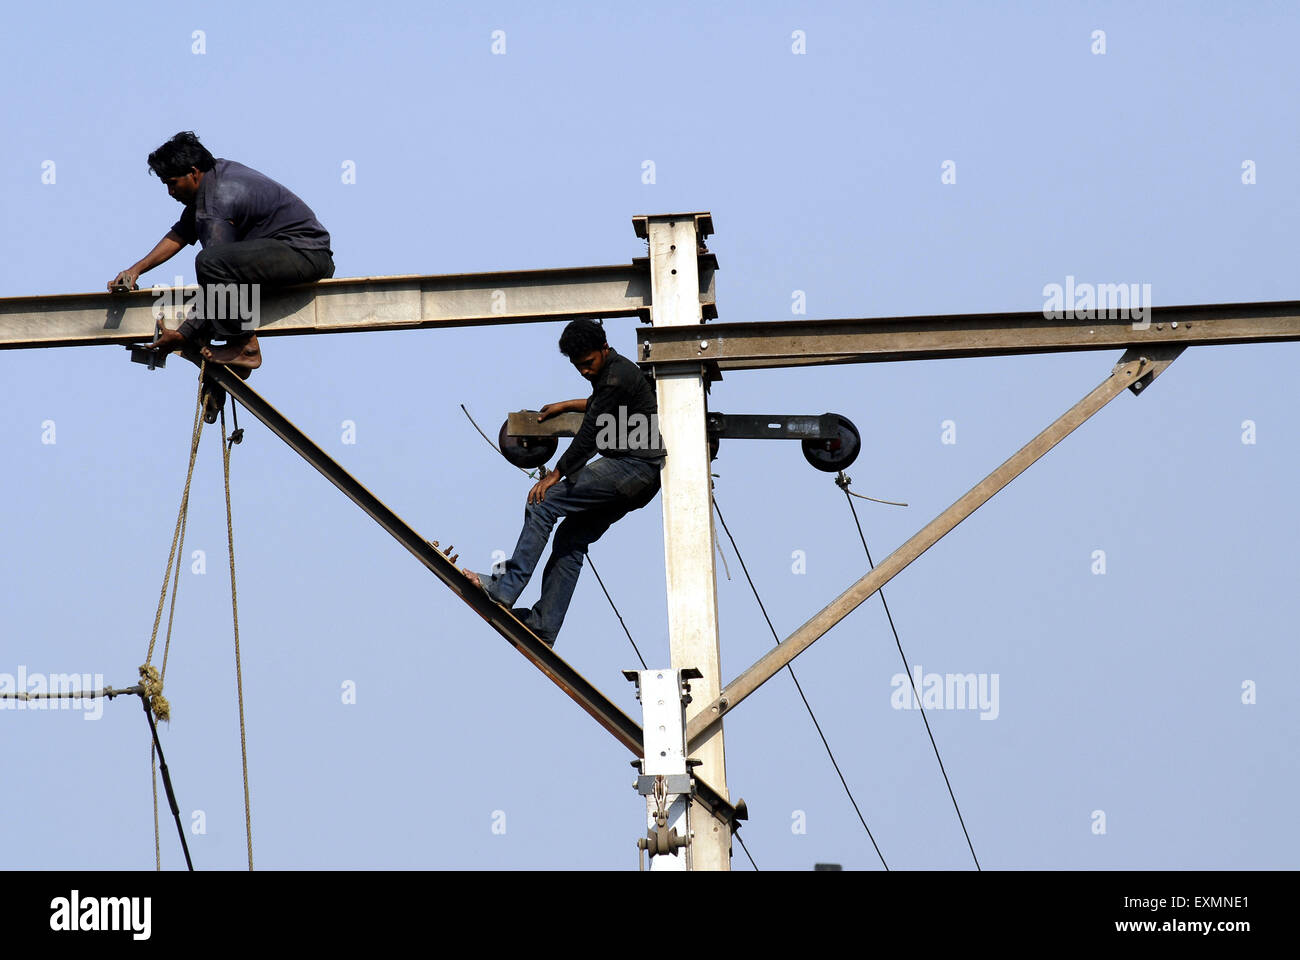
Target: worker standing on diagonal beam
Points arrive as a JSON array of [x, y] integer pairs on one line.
[[255, 234], [620, 421]]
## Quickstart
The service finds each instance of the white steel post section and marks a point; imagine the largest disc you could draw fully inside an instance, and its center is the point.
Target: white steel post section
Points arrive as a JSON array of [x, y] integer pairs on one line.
[[665, 779], [688, 514]]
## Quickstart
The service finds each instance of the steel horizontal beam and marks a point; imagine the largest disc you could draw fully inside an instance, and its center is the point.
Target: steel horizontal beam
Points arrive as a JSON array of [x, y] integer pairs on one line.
[[348, 305], [790, 343], [624, 729], [1133, 368]]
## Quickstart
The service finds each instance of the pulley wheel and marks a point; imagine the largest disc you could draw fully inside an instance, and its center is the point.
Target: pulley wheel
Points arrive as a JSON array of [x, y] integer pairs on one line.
[[526, 452], [833, 454]]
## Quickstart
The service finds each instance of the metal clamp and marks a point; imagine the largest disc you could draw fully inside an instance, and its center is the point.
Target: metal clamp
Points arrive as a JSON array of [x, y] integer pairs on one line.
[[146, 352], [677, 783]]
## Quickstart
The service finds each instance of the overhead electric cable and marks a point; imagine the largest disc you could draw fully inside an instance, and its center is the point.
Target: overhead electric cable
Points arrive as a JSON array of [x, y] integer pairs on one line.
[[234, 607], [798, 687], [843, 483], [746, 849]]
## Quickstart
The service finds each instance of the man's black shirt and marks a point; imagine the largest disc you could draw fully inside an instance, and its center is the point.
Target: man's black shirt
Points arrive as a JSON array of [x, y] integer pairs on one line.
[[235, 202], [622, 418]]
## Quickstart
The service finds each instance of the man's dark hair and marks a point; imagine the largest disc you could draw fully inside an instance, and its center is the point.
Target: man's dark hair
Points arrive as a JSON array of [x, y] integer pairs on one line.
[[178, 155], [580, 338]]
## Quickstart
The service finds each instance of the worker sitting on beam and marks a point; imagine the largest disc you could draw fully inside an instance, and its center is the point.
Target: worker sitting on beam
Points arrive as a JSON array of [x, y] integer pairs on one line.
[[255, 234], [621, 422]]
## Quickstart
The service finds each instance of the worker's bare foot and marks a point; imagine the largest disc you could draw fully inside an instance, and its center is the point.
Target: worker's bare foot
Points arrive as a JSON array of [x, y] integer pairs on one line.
[[243, 356], [168, 340], [477, 580]]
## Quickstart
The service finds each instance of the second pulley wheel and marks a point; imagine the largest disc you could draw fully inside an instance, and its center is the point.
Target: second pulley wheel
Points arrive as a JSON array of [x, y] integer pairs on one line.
[[833, 454]]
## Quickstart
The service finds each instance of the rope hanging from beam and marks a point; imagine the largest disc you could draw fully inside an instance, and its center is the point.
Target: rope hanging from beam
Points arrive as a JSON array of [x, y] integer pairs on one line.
[[226, 447], [151, 678]]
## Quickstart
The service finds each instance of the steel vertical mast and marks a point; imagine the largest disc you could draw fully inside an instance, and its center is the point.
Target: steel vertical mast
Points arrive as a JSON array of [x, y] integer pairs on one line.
[[688, 507]]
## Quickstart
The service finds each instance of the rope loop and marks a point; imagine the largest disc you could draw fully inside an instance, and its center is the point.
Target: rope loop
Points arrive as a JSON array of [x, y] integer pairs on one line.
[[152, 686]]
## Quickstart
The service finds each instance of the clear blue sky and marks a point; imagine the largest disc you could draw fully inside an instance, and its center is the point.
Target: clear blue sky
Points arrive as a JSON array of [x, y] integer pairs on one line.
[[1119, 692]]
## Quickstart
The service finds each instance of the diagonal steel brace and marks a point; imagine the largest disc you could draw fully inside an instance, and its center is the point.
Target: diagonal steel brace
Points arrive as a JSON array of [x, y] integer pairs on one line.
[[1135, 367], [624, 729]]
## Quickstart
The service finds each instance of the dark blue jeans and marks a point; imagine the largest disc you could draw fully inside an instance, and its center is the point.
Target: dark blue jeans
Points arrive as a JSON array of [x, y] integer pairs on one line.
[[599, 494]]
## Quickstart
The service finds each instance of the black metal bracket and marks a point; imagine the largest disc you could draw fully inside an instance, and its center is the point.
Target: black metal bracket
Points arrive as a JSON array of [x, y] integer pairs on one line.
[[724, 426], [780, 426], [146, 352]]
